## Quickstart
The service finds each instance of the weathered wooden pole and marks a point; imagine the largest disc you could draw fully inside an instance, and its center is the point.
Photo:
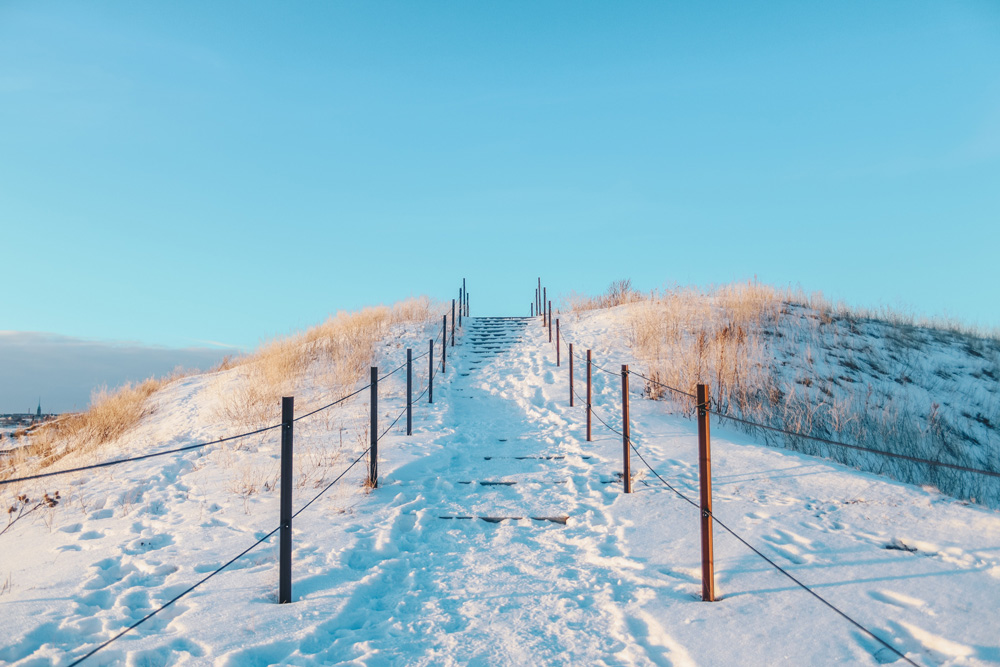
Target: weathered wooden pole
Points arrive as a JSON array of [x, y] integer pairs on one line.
[[588, 395], [285, 535], [705, 477], [373, 428], [557, 341], [626, 439], [550, 321], [571, 375]]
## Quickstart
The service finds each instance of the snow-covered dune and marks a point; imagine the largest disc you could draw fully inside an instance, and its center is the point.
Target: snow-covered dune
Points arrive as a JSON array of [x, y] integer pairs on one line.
[[498, 535]]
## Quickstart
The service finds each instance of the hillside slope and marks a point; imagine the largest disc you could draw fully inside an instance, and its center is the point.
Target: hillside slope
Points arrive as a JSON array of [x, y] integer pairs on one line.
[[398, 575]]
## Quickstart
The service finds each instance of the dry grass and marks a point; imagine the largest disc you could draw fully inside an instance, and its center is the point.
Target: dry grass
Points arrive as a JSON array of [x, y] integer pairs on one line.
[[111, 415], [618, 293], [333, 355], [688, 336]]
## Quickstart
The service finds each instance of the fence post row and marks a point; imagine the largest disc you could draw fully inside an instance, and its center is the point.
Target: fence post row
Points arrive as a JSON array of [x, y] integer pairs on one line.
[[626, 434], [430, 374], [409, 391], [571, 375], [373, 427], [705, 478], [588, 395], [285, 534]]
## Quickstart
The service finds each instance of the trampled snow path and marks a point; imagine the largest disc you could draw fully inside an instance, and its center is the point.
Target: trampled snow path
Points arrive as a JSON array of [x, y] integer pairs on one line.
[[383, 579]]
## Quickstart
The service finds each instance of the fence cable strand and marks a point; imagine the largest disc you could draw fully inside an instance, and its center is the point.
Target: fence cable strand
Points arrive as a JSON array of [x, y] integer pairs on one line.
[[339, 400], [917, 459], [665, 386], [771, 562], [105, 464], [175, 598]]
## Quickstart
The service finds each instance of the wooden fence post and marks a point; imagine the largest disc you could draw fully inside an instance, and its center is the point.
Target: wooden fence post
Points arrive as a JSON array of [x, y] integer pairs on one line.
[[444, 343], [430, 374], [373, 428], [705, 477], [626, 434], [588, 395], [285, 536], [571, 375], [557, 342], [409, 391]]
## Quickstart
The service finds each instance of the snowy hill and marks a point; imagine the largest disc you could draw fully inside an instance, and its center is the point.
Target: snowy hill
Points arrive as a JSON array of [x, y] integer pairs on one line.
[[497, 535]]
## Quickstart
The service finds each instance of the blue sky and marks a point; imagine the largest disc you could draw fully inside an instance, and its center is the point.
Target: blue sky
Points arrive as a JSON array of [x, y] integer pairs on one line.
[[187, 173]]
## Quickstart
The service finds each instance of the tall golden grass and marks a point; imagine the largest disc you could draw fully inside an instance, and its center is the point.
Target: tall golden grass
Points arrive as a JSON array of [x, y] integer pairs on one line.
[[331, 356]]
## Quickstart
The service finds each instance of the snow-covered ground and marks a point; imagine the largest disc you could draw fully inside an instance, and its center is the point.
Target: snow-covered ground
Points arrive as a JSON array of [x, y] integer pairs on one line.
[[381, 577]]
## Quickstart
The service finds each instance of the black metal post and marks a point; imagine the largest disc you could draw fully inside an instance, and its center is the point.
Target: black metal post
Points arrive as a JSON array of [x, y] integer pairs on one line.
[[409, 391], [588, 395], [545, 314], [461, 305], [430, 374], [285, 535], [444, 343], [453, 323], [626, 438], [373, 427], [557, 341]]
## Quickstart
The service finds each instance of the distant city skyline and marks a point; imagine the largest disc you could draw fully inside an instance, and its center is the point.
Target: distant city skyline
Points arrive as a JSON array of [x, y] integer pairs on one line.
[[198, 175]]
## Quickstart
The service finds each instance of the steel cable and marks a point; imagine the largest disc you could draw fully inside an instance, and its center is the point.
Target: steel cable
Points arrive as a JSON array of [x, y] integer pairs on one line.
[[857, 447], [138, 458], [339, 400], [771, 562]]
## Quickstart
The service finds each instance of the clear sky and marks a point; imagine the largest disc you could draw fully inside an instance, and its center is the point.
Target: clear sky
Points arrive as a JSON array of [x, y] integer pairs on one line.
[[190, 173]]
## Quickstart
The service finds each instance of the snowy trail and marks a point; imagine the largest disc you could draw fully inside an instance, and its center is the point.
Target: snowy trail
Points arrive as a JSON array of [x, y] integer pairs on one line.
[[432, 590]]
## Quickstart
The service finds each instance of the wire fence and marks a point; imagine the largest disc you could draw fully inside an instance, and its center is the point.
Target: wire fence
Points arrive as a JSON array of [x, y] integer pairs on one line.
[[407, 408]]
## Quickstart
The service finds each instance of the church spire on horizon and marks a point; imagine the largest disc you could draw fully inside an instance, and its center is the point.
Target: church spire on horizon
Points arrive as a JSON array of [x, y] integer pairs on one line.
[[39, 413]]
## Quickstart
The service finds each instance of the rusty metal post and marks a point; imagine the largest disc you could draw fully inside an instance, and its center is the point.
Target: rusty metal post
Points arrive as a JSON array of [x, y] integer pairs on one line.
[[461, 305], [409, 391], [373, 428], [453, 323], [444, 343], [626, 434], [557, 341], [545, 314], [430, 373], [538, 298], [550, 321], [285, 535], [588, 395], [571, 375], [705, 476]]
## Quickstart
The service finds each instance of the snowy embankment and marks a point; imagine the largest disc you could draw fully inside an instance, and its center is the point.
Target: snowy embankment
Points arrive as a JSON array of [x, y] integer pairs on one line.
[[381, 578]]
